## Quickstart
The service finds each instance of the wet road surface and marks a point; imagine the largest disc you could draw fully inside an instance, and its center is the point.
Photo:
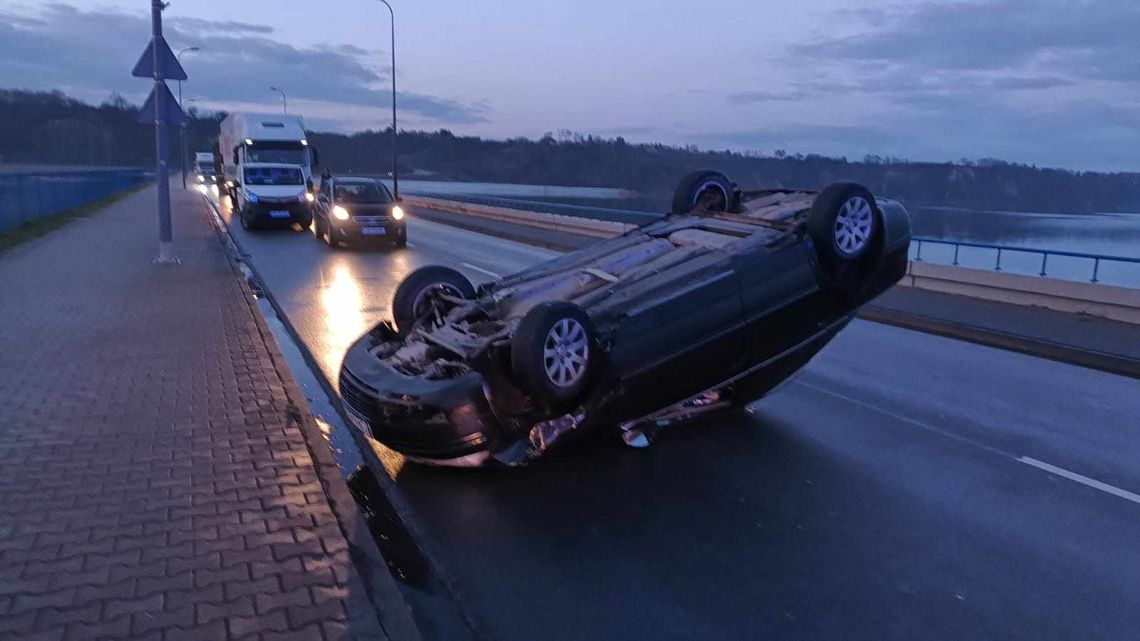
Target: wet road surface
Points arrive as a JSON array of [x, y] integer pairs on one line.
[[903, 486]]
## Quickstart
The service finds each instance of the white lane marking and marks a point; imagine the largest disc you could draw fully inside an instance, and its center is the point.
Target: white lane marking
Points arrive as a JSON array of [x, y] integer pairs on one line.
[[1072, 476], [1080, 478], [480, 269]]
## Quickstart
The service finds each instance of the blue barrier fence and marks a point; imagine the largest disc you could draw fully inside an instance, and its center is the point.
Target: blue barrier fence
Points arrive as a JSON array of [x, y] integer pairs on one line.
[[26, 196]]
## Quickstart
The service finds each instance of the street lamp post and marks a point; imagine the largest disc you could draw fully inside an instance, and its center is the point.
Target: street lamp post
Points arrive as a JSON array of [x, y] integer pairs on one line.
[[395, 178], [283, 110], [182, 129]]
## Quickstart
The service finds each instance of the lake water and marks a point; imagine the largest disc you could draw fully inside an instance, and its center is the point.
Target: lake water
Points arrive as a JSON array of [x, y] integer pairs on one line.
[[1098, 234]]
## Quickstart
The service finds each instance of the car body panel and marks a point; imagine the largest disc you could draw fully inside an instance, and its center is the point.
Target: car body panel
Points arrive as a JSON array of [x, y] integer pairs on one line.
[[682, 305]]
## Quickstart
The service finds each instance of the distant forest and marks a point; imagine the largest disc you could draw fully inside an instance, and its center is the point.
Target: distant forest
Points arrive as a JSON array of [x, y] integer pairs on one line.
[[51, 128]]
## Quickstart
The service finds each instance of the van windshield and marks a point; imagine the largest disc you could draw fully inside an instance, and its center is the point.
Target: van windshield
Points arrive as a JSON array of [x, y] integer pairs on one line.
[[273, 176], [284, 152]]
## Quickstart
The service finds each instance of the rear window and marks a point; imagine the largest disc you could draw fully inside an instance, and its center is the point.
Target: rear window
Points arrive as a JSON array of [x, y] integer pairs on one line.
[[362, 193], [273, 176]]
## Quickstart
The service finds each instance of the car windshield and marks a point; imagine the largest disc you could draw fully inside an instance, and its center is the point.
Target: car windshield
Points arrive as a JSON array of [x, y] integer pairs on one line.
[[370, 192], [273, 176]]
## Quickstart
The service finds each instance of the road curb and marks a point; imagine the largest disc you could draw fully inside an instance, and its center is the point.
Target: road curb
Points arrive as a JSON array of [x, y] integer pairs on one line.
[[393, 613], [1104, 362]]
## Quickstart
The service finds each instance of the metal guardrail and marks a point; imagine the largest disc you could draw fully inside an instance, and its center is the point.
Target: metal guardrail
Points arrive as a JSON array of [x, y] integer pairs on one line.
[[630, 216], [1096, 259], [26, 196]]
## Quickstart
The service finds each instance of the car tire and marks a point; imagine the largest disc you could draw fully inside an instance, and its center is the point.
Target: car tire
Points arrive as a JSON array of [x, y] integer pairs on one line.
[[694, 186], [402, 239], [845, 224], [408, 301], [306, 221], [553, 353]]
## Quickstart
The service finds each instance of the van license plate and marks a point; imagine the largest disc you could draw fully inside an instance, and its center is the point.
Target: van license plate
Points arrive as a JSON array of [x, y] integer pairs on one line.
[[277, 213]]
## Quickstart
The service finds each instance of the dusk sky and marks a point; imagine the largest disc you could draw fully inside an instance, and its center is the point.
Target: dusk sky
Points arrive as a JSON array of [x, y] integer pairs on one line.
[[1052, 82]]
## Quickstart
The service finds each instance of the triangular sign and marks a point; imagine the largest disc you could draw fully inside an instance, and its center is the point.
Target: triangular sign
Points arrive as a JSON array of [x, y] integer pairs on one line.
[[172, 113], [168, 67]]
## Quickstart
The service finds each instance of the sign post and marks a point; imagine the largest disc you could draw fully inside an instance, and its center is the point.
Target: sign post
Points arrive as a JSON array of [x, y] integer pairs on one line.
[[159, 63]]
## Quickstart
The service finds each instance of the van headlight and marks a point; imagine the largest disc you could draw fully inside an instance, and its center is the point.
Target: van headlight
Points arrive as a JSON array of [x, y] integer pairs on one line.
[[398, 213], [305, 196], [340, 213]]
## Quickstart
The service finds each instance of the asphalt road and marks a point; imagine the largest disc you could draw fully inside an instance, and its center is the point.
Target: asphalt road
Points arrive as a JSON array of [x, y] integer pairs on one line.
[[904, 486]]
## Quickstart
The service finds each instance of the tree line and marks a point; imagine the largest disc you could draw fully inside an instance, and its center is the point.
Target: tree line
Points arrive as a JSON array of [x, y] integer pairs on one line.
[[52, 128]]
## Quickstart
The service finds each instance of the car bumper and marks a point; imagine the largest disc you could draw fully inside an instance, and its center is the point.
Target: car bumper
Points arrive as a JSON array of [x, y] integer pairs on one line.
[[441, 421], [369, 228], [271, 212]]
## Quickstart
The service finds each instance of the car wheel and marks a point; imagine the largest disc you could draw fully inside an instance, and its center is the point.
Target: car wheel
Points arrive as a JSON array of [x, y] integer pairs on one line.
[[706, 189], [410, 302], [553, 352], [402, 239], [845, 225], [306, 221]]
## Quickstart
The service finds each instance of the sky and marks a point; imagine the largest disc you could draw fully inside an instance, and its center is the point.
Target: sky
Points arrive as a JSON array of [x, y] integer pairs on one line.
[[1049, 82]]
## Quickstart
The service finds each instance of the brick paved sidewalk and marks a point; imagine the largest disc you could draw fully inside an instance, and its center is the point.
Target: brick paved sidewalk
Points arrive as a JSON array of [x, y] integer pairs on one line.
[[153, 481]]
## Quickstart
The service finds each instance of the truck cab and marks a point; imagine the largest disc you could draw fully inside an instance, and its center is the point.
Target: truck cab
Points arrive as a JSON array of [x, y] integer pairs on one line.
[[255, 139]]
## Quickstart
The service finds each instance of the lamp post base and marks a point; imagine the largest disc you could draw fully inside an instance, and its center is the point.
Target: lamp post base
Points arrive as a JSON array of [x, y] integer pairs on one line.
[[166, 255]]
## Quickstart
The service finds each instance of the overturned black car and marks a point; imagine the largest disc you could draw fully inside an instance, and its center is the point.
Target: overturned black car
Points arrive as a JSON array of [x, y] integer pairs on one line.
[[713, 305]]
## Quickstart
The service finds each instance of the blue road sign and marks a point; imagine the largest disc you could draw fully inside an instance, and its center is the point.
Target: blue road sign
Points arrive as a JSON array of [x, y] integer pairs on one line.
[[172, 113], [168, 67]]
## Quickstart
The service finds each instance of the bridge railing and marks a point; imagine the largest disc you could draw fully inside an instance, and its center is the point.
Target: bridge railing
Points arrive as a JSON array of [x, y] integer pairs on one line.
[[992, 256], [28, 195], [1060, 264]]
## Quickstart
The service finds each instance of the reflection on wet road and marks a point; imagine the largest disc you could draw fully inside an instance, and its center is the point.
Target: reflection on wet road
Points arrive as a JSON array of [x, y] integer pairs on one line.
[[884, 495]]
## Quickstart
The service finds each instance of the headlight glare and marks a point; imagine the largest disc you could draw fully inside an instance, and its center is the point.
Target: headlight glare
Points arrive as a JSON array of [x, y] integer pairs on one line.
[[398, 213], [340, 213]]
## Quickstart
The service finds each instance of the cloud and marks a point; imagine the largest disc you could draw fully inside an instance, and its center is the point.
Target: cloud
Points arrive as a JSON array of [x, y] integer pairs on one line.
[[90, 54], [752, 97], [1027, 80]]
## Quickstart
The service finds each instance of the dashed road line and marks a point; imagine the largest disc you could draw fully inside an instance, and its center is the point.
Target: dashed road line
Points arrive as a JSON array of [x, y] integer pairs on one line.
[[1041, 465], [1080, 478]]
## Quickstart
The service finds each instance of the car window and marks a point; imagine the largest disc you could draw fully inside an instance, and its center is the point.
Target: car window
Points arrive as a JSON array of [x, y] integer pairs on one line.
[[362, 193], [273, 176]]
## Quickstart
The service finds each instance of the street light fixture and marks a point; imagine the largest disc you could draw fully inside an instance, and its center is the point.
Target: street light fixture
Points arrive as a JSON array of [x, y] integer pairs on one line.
[[395, 178], [182, 129], [283, 110]]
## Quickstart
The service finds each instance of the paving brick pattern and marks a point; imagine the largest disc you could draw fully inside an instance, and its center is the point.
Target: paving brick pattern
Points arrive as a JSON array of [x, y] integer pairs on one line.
[[153, 482]]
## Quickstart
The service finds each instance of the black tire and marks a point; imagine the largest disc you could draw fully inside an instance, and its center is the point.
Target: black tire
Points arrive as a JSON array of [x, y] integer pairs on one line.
[[407, 302], [711, 189], [306, 221], [848, 251], [402, 239], [532, 363]]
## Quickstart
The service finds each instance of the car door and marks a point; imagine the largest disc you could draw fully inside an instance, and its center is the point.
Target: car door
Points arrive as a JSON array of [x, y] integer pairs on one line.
[[679, 333], [780, 297]]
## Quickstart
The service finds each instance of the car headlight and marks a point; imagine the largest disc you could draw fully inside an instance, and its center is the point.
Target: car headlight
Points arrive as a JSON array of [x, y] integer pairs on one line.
[[250, 196], [305, 196], [340, 213], [398, 212]]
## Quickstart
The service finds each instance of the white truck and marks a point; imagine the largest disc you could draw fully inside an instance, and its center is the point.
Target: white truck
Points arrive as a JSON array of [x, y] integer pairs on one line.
[[258, 152], [204, 167]]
